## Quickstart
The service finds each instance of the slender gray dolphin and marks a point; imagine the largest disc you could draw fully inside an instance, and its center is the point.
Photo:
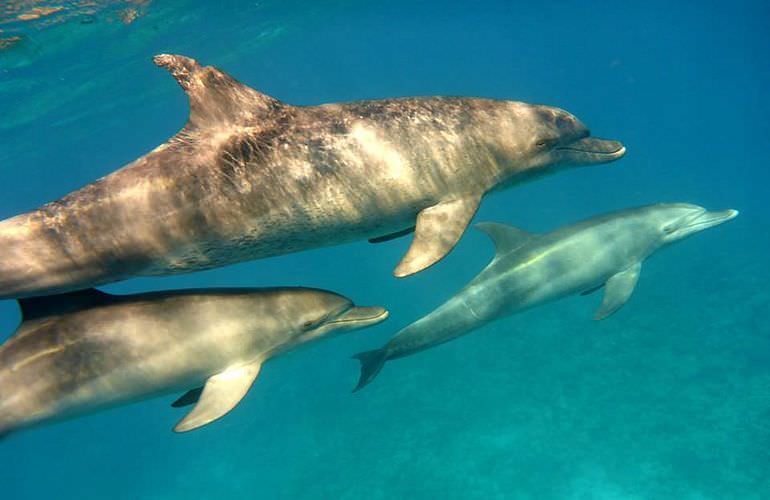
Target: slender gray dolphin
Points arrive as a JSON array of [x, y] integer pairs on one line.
[[529, 270], [251, 177], [87, 350]]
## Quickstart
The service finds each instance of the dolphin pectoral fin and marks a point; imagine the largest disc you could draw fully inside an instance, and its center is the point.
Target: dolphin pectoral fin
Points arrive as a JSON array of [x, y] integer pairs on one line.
[[392, 236], [188, 398], [506, 238], [221, 394], [437, 231], [617, 291]]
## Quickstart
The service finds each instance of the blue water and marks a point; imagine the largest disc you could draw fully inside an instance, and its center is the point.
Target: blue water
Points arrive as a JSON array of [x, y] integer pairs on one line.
[[669, 398]]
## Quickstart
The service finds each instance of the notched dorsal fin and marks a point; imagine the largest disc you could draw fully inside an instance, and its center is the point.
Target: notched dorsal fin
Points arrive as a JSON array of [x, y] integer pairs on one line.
[[506, 238], [41, 307], [215, 96]]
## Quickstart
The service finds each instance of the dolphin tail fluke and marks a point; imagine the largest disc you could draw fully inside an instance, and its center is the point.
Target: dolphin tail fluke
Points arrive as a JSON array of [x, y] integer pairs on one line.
[[371, 364]]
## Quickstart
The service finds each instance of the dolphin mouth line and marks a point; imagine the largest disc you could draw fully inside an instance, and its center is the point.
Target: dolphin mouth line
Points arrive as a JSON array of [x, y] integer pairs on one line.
[[618, 152], [381, 315], [709, 219]]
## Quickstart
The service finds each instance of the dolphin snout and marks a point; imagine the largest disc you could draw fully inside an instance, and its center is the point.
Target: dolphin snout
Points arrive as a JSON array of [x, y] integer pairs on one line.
[[590, 150], [708, 219], [358, 316]]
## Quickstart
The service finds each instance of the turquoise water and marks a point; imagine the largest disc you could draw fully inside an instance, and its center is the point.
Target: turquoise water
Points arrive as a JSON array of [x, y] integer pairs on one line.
[[669, 398]]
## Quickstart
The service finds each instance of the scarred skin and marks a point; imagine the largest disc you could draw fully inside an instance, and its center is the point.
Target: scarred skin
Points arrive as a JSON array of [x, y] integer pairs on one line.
[[251, 177]]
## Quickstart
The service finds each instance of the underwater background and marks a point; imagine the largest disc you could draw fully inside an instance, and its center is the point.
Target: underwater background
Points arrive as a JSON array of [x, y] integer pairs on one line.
[[668, 398]]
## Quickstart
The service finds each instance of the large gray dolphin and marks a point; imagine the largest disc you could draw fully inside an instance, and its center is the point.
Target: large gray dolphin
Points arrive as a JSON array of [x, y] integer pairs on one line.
[[251, 177], [529, 270], [83, 351]]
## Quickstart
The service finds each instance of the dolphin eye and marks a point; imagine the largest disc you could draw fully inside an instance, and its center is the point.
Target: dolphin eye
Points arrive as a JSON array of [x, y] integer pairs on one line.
[[312, 323], [545, 143], [668, 229]]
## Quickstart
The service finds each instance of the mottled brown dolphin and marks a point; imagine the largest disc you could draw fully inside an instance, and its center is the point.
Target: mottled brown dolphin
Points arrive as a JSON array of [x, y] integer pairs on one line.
[[83, 351], [251, 177]]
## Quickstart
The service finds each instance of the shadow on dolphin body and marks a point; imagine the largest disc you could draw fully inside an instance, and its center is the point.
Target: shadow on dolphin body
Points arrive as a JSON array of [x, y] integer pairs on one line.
[[88, 350], [529, 270], [251, 177]]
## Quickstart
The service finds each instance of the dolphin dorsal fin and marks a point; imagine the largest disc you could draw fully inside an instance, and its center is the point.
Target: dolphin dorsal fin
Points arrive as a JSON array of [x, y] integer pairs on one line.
[[506, 238], [40, 307], [215, 97]]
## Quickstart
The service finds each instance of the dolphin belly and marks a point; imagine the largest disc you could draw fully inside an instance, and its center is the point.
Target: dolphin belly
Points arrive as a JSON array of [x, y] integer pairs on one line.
[[64, 379], [273, 238], [36, 257], [102, 358]]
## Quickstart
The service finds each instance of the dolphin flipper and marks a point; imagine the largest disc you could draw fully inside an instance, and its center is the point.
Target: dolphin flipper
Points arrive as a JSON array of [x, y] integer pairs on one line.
[[437, 231], [617, 291], [371, 364], [221, 394]]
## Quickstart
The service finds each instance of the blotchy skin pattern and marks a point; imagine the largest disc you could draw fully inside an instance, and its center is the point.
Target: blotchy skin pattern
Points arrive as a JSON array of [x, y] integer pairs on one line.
[[573, 259], [119, 349], [251, 177]]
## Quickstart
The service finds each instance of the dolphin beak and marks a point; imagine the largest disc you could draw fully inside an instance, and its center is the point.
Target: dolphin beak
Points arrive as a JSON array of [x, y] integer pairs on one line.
[[591, 150], [708, 219], [359, 317]]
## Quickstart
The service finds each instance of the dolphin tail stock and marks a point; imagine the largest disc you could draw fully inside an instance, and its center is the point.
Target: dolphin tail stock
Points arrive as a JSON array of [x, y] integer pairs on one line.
[[371, 364]]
